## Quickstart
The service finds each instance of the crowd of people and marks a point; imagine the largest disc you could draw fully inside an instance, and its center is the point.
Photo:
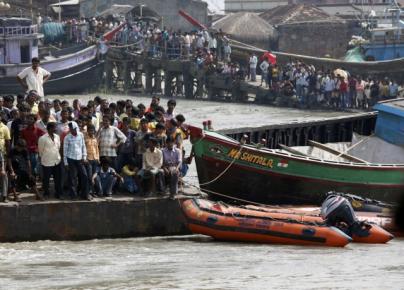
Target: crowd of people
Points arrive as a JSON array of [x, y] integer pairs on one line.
[[304, 84], [294, 83], [174, 44], [336, 89], [92, 149]]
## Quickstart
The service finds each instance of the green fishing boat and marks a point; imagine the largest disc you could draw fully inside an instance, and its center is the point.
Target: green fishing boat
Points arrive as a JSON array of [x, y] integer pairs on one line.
[[288, 175]]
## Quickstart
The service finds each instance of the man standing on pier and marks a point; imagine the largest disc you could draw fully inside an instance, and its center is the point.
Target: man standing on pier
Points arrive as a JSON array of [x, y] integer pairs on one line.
[[253, 61], [33, 78], [49, 151], [74, 157]]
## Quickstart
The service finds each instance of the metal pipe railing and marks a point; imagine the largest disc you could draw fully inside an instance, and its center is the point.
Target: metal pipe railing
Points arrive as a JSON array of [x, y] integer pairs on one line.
[[18, 30]]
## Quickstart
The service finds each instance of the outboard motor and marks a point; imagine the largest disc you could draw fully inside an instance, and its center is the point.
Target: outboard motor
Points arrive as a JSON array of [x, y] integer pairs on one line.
[[337, 211]]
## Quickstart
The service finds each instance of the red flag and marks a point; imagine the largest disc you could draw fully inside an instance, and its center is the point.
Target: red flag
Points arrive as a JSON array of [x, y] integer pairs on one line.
[[269, 57]]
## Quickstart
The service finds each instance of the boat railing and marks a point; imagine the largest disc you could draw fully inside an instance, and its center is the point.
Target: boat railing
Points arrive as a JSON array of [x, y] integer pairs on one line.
[[312, 158], [18, 30]]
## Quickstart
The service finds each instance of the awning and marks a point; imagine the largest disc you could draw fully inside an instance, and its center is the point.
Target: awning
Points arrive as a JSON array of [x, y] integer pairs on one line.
[[116, 10], [67, 3]]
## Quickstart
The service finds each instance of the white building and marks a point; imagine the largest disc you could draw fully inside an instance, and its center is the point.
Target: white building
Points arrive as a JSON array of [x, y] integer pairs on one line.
[[252, 5]]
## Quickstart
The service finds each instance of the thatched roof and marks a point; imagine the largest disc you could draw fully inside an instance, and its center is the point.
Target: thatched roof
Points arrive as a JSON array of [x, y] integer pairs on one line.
[[295, 13], [245, 25]]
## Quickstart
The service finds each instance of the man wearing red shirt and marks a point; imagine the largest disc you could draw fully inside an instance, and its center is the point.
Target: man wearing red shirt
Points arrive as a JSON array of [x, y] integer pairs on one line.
[[31, 135], [154, 103]]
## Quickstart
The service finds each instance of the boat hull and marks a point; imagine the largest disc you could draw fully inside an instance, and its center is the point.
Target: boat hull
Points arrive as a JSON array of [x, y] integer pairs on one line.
[[271, 177], [75, 72], [76, 79], [223, 223]]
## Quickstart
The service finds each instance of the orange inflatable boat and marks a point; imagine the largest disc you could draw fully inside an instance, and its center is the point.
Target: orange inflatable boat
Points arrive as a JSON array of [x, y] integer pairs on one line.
[[263, 225], [224, 222]]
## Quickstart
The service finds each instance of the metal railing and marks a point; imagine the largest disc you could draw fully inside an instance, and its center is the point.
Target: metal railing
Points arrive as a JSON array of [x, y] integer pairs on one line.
[[18, 30]]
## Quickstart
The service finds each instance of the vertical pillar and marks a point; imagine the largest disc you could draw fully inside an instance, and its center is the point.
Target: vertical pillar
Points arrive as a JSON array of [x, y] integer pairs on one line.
[[200, 77], [149, 80], [138, 78], [179, 84], [168, 86], [108, 74], [157, 81], [188, 81], [126, 78]]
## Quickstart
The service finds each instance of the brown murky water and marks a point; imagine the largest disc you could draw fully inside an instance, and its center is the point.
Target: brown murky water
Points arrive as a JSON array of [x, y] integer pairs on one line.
[[197, 262]]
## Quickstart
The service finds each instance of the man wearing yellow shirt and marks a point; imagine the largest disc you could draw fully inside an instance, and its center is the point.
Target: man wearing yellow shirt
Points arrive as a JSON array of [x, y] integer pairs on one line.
[[4, 139], [31, 100]]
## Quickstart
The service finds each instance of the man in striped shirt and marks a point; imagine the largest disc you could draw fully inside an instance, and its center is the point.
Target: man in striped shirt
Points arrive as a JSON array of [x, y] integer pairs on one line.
[[109, 139]]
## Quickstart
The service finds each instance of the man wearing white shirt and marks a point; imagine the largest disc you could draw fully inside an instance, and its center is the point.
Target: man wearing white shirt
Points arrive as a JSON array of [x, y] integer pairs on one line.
[[264, 71], [51, 161], [151, 169], [329, 87], [253, 61], [33, 78]]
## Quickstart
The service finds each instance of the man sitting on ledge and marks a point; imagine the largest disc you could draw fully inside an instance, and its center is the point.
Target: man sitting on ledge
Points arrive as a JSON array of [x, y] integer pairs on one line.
[[104, 178], [151, 172], [172, 159]]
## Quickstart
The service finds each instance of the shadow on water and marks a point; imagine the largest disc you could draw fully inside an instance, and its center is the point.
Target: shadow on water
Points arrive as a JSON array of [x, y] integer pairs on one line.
[[58, 264]]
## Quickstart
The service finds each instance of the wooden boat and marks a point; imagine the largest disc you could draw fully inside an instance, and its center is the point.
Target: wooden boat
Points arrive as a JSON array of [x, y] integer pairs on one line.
[[226, 223], [68, 73], [272, 176], [380, 68], [272, 225], [74, 69]]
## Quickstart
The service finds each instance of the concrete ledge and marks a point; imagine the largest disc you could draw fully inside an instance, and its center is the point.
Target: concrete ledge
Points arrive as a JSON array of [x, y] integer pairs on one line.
[[119, 217]]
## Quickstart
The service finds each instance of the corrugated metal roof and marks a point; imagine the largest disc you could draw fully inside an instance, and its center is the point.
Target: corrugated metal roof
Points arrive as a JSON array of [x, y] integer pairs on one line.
[[67, 3], [116, 10]]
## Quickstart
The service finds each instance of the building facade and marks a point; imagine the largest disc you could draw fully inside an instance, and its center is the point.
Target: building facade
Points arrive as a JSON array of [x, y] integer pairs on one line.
[[167, 9], [252, 5]]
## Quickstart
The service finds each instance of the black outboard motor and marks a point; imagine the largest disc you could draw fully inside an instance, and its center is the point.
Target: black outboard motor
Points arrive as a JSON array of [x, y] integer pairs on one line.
[[337, 211]]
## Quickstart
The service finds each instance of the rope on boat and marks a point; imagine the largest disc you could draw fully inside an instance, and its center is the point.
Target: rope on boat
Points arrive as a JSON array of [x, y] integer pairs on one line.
[[225, 170], [226, 196]]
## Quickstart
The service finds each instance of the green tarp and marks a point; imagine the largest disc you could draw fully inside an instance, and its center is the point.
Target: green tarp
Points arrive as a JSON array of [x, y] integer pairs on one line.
[[354, 55], [53, 32]]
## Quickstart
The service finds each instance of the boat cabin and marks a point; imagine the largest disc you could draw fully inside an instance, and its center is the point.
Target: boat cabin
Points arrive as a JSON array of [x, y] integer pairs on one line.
[[387, 40], [18, 40], [390, 121]]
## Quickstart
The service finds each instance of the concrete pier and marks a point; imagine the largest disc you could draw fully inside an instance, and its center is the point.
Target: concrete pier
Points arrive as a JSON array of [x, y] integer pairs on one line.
[[130, 72], [338, 129], [118, 217]]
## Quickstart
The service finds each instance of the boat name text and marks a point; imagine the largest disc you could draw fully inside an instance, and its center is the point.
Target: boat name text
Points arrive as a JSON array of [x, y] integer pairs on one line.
[[252, 158]]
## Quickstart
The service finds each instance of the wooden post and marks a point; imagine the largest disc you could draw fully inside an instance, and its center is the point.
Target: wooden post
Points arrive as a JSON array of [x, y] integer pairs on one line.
[[336, 152], [108, 74], [157, 80], [138, 78], [125, 77], [179, 83], [168, 83], [149, 80], [200, 83]]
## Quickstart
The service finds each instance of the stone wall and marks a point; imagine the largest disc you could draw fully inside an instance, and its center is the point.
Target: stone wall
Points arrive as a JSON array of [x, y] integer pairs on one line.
[[80, 220], [314, 38], [168, 9]]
